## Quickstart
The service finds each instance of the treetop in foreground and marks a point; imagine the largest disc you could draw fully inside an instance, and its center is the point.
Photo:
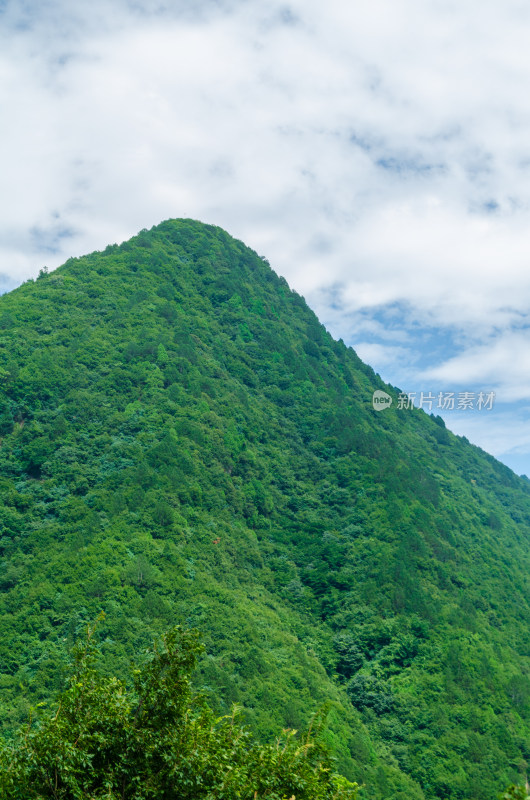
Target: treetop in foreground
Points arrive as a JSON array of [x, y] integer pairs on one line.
[[158, 739]]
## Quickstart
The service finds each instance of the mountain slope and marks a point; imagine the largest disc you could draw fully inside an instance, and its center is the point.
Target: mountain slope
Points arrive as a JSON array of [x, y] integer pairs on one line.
[[183, 441]]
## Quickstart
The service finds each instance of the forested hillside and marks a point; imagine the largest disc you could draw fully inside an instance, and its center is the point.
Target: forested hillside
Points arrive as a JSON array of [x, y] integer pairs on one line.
[[182, 441]]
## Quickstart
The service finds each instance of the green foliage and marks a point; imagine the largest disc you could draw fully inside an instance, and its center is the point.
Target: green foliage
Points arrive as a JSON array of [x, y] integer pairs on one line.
[[182, 441], [157, 740], [350, 657], [514, 792], [365, 691]]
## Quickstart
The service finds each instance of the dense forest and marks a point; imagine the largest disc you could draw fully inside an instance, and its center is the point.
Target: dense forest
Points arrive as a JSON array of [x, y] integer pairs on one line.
[[182, 442]]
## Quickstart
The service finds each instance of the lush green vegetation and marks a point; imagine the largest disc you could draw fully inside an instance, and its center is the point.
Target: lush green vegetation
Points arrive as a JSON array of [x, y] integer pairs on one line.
[[513, 792], [158, 740], [182, 441]]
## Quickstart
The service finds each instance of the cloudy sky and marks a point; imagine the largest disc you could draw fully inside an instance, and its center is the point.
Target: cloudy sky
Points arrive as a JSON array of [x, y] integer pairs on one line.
[[376, 152]]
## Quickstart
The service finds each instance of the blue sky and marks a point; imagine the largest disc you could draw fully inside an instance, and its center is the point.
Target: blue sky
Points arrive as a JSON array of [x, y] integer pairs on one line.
[[376, 153]]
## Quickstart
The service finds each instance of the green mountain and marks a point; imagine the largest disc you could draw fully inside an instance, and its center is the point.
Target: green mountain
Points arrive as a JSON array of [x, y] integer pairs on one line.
[[182, 441]]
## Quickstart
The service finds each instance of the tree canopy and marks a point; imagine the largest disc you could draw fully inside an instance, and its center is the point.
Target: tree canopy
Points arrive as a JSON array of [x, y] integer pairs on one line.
[[157, 739]]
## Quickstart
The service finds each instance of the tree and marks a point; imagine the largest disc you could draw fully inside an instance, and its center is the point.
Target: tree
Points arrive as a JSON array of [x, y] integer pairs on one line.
[[350, 658], [157, 739]]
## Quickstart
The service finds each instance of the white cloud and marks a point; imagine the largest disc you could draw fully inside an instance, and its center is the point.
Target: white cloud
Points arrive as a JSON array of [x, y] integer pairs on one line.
[[376, 153], [503, 433], [383, 356], [502, 364]]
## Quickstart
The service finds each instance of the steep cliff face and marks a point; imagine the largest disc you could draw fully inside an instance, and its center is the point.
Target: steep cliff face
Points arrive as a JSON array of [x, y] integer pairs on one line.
[[182, 441]]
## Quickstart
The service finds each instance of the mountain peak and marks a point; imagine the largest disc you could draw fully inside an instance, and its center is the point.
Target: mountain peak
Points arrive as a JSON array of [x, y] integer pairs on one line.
[[183, 441]]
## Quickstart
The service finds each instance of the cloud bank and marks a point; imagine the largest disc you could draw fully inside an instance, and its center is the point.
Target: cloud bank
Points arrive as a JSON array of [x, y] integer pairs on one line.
[[376, 153]]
